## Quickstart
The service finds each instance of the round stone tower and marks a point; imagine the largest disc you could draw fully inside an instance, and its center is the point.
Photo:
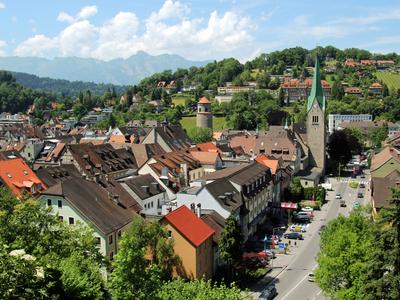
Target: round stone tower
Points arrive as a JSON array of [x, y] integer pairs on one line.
[[204, 115]]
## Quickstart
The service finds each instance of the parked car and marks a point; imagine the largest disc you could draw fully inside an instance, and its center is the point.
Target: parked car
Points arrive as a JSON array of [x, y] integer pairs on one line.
[[307, 209], [293, 236], [342, 203], [311, 277], [356, 204], [268, 293], [360, 195], [302, 219], [338, 196], [362, 176], [270, 254], [362, 185]]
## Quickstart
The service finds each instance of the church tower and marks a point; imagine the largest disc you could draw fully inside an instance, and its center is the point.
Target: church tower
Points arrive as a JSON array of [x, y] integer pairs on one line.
[[204, 114], [316, 130]]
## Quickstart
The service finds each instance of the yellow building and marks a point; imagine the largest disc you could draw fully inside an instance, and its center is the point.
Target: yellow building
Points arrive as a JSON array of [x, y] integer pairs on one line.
[[192, 243]]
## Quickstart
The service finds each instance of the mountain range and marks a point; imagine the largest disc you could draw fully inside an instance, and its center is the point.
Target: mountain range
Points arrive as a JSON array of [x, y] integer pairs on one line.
[[117, 71]]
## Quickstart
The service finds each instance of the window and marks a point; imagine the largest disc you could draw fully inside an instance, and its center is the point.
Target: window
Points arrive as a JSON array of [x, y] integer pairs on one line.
[[152, 204], [61, 218], [119, 233], [98, 241], [169, 234], [315, 119], [71, 221], [110, 239], [49, 202], [59, 203], [111, 255]]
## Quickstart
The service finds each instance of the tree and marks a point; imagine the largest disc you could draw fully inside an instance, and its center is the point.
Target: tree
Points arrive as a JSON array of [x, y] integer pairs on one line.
[[337, 91], [145, 257], [295, 189], [342, 145], [377, 136], [199, 290], [200, 134], [345, 256], [37, 251], [231, 242]]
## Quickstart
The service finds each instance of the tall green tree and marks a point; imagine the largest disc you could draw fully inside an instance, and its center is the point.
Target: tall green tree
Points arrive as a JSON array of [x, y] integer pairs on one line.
[[144, 259], [337, 91], [231, 242]]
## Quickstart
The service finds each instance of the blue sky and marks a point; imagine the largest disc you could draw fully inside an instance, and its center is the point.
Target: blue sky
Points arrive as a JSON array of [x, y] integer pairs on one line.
[[196, 29]]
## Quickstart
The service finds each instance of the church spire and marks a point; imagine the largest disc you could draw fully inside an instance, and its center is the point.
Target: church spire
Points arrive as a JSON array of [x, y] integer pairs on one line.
[[316, 89]]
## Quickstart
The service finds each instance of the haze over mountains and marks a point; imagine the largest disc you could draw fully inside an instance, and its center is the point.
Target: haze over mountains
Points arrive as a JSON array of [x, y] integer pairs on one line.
[[117, 71]]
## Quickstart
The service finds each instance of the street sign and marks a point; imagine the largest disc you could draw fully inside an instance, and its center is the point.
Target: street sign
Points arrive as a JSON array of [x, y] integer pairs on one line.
[[282, 245]]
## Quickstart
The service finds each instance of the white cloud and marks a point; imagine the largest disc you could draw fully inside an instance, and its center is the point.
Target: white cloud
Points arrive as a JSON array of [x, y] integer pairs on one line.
[[38, 45], [2, 5], [85, 13], [3, 44], [64, 17], [168, 30]]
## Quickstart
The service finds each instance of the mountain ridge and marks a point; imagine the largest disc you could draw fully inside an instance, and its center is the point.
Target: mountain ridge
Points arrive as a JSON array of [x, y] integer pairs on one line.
[[117, 71]]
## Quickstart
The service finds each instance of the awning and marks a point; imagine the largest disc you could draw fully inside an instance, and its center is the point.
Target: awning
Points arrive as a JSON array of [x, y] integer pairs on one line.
[[288, 205]]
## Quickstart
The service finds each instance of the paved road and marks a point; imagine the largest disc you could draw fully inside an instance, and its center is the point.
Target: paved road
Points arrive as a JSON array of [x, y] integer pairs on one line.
[[292, 283]]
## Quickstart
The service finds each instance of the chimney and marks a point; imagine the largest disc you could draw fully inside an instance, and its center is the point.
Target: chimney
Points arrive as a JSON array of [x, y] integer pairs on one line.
[[199, 210], [146, 188], [229, 195], [193, 207], [155, 185], [222, 198]]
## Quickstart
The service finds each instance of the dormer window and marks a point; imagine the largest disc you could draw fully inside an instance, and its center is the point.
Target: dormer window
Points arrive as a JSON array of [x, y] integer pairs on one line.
[[9, 175], [25, 173]]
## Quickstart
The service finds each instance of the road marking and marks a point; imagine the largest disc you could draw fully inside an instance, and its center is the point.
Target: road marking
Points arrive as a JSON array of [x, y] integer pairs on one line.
[[292, 289], [319, 293]]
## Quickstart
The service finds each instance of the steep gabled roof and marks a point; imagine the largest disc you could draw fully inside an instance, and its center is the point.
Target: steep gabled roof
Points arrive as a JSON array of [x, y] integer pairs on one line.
[[94, 203], [316, 89], [189, 225], [17, 176]]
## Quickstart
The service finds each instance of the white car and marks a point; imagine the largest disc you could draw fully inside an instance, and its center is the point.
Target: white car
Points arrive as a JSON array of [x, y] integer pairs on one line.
[[307, 209], [338, 196]]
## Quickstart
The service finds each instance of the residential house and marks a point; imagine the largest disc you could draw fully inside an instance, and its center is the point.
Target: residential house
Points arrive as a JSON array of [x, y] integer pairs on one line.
[[385, 162], [173, 170], [78, 200], [169, 137], [381, 190], [211, 161], [375, 88], [353, 91], [254, 183], [217, 223], [100, 160], [192, 243], [19, 178], [150, 195]]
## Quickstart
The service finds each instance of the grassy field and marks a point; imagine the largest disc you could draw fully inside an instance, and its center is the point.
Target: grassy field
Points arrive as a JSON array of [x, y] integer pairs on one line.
[[390, 79], [180, 99], [218, 123]]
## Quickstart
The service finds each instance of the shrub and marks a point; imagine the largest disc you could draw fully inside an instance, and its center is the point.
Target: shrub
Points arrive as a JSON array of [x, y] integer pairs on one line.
[[353, 184]]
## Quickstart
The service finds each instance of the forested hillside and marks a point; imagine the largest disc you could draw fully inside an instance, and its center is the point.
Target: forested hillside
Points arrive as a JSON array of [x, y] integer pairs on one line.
[[63, 87]]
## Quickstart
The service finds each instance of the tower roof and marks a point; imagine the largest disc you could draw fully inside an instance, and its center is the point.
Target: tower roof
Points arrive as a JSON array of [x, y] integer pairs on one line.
[[316, 89], [204, 100]]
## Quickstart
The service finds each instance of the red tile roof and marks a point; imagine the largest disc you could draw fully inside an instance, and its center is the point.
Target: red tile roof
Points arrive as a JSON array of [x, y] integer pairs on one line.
[[204, 100], [376, 85], [189, 225], [17, 176], [273, 164], [206, 147]]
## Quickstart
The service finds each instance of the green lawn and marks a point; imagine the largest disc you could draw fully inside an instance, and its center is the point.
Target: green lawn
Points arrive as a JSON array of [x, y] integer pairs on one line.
[[390, 79], [180, 99], [218, 123]]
